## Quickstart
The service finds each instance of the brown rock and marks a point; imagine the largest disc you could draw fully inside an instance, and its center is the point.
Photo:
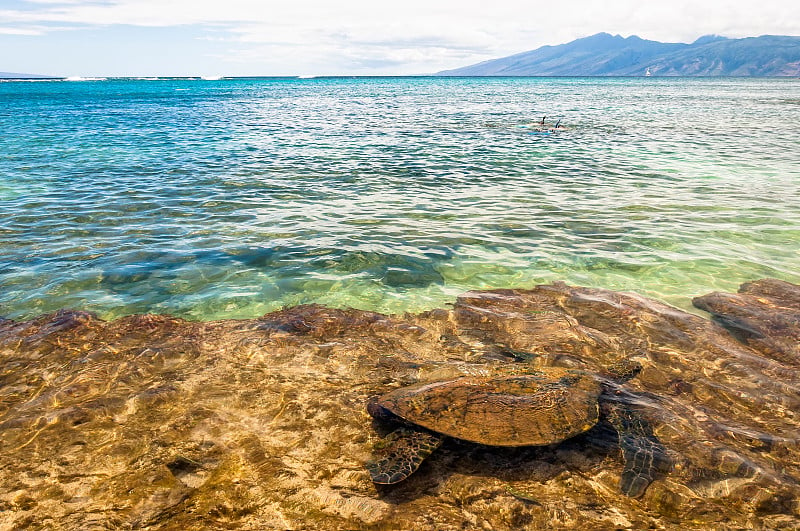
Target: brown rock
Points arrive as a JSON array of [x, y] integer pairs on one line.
[[765, 315]]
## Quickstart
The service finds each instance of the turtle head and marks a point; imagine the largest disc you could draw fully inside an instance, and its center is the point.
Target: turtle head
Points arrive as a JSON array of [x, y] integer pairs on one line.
[[377, 411], [623, 370]]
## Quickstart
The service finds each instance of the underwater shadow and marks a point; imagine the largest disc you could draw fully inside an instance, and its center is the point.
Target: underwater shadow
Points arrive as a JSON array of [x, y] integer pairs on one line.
[[578, 455]]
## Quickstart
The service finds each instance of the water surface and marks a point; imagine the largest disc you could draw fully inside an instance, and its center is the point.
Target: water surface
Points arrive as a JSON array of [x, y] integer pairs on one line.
[[231, 198]]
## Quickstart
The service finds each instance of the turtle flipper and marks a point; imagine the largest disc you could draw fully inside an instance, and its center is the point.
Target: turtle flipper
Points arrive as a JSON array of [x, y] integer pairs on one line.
[[644, 457], [643, 454], [400, 455]]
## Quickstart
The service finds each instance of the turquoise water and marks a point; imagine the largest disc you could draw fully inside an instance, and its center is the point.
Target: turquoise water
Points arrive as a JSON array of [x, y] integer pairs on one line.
[[231, 198]]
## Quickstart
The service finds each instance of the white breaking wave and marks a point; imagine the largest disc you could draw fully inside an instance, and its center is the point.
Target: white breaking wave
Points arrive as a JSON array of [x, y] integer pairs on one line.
[[80, 78]]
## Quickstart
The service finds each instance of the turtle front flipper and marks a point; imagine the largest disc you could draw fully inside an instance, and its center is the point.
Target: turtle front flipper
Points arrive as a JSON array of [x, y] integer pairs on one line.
[[643, 454], [400, 454]]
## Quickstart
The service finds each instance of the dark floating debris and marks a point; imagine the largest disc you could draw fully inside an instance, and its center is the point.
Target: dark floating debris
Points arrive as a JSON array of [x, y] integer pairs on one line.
[[152, 421], [541, 127]]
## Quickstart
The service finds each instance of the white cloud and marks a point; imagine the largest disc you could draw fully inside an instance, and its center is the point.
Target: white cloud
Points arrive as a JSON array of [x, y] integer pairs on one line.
[[21, 31], [412, 36], [32, 29]]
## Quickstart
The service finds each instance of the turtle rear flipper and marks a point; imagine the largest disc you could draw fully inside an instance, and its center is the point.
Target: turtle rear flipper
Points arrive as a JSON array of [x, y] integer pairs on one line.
[[400, 455], [644, 457], [643, 454]]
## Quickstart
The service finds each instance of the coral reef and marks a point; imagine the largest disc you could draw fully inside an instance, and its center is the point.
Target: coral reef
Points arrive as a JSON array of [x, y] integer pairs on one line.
[[151, 421]]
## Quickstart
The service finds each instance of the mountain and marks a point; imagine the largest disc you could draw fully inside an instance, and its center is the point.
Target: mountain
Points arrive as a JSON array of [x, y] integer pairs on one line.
[[13, 75], [613, 55]]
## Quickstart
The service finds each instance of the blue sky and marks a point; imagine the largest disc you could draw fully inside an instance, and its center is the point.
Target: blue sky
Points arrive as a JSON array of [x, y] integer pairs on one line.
[[326, 37]]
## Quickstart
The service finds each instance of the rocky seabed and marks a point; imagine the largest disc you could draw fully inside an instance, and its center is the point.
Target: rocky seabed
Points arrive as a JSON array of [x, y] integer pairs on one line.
[[153, 422]]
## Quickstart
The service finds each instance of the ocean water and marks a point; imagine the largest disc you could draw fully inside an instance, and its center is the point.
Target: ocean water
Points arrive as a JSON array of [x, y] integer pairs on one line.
[[230, 198]]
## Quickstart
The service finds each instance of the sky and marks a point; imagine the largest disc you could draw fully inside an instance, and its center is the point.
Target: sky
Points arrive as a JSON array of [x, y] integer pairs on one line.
[[341, 37]]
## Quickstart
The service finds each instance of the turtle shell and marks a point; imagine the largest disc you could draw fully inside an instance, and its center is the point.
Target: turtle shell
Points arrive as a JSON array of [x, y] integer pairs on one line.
[[543, 407]]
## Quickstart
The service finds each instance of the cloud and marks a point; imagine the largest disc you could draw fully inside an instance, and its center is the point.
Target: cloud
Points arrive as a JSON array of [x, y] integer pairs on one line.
[[366, 36], [22, 31], [34, 29]]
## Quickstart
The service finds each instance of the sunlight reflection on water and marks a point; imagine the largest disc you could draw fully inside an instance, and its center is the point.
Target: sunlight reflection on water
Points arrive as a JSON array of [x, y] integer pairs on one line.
[[237, 197]]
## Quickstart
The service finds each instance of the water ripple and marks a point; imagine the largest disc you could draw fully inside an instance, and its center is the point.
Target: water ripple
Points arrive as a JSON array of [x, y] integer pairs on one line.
[[237, 197]]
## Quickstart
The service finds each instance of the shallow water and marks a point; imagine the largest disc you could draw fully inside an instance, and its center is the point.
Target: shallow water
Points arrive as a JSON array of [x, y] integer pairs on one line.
[[231, 198], [154, 422]]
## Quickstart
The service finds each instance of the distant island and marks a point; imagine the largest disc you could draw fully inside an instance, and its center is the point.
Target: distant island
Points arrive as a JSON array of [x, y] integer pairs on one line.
[[612, 55], [14, 75]]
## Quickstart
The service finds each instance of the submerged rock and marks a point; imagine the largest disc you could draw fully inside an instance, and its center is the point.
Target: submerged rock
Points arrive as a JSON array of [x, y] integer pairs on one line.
[[764, 314], [152, 421]]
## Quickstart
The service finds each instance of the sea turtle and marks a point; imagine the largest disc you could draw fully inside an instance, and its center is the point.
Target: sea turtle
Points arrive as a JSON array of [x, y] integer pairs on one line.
[[539, 407]]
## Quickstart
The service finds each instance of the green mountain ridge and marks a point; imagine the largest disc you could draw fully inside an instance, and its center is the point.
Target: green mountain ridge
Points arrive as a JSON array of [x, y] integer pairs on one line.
[[612, 55]]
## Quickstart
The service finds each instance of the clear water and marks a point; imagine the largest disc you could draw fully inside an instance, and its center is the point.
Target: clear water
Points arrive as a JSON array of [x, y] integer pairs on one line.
[[231, 198]]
